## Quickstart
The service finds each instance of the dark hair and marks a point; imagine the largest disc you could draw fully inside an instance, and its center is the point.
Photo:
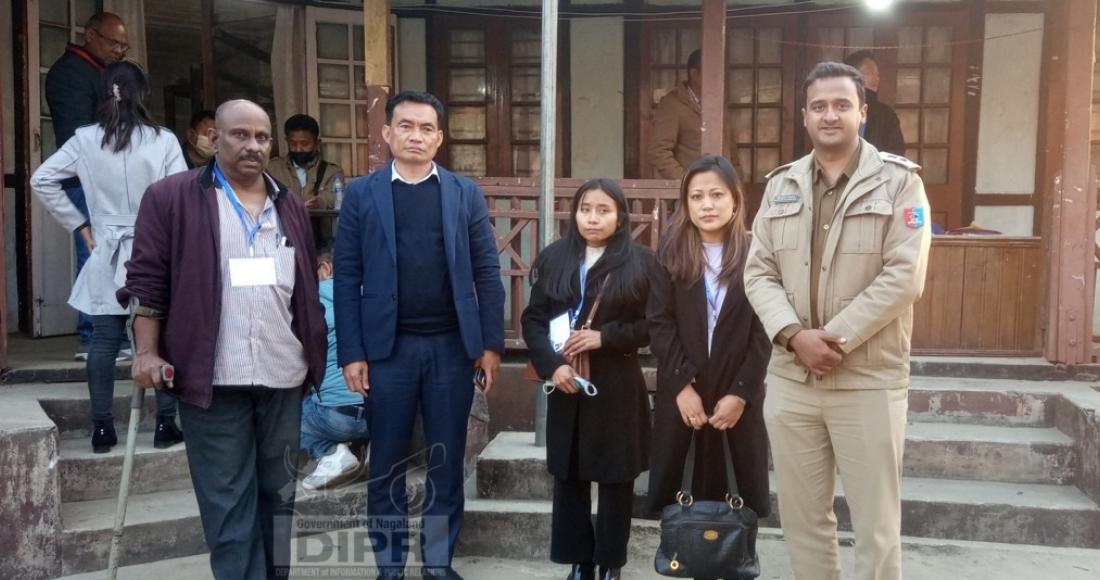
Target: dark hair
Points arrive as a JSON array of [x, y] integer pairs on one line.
[[829, 70], [856, 58], [695, 60], [99, 18], [302, 123], [199, 116], [422, 97], [681, 250], [558, 265], [324, 252], [122, 106]]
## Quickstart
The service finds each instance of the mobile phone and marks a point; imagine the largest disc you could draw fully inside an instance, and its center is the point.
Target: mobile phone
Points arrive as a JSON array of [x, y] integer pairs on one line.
[[479, 378]]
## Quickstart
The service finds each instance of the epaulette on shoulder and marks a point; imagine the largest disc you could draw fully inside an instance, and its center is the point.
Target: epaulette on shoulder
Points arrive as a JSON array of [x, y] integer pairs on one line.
[[899, 160], [779, 170]]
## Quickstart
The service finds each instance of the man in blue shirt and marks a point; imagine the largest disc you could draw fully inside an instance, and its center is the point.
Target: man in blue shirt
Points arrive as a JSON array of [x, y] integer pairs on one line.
[[332, 416], [418, 299]]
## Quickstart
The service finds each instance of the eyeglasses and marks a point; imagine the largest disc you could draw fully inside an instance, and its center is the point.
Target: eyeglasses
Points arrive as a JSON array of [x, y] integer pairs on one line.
[[112, 43]]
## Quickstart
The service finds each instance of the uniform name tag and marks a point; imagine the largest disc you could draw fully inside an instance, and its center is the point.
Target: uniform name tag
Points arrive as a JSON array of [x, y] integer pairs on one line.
[[787, 198], [252, 271], [914, 217]]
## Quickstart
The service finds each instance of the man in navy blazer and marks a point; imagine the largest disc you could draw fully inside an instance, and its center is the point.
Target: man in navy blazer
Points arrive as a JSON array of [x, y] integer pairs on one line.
[[419, 305]]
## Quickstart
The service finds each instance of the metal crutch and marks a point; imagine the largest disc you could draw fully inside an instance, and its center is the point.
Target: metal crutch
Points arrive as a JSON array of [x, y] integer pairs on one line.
[[137, 403]]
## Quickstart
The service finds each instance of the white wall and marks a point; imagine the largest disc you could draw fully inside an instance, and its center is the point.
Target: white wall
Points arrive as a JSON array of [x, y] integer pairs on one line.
[[412, 54], [596, 99], [7, 79], [1011, 220]]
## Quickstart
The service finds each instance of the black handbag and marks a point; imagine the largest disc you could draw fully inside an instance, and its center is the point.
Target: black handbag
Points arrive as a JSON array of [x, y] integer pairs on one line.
[[708, 539]]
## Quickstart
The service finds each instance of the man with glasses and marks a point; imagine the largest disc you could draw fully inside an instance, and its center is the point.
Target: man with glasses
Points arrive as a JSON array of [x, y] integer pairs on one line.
[[73, 86]]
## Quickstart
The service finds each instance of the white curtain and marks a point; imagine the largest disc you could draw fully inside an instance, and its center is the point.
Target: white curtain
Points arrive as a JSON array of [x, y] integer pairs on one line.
[[288, 67], [132, 13]]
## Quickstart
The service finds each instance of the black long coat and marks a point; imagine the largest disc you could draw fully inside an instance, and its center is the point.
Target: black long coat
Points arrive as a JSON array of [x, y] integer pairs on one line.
[[737, 365], [609, 433]]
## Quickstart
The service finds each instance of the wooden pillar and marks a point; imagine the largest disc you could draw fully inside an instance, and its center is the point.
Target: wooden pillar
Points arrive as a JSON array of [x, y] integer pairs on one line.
[[206, 51], [714, 75], [1072, 280], [376, 51]]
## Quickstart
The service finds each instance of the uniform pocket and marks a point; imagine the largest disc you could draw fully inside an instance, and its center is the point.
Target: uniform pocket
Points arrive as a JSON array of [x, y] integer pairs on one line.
[[864, 226], [783, 221]]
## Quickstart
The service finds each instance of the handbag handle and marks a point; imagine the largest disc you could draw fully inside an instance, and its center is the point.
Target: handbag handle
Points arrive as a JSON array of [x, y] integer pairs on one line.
[[733, 495], [596, 304]]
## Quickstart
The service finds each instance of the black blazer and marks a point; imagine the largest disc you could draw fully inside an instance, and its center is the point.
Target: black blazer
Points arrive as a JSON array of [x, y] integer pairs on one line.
[[737, 365], [602, 438]]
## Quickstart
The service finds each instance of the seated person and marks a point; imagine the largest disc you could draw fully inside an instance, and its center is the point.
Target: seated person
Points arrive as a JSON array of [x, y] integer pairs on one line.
[[302, 170], [334, 419]]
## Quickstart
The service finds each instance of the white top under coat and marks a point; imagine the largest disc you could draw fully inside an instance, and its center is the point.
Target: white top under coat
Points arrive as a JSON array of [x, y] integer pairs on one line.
[[713, 253]]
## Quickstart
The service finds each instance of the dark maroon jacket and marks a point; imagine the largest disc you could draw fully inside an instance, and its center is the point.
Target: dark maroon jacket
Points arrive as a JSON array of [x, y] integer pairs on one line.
[[175, 268]]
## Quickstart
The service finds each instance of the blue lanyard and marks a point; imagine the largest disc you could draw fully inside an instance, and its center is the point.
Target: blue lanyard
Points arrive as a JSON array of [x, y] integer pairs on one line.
[[250, 232], [575, 313], [712, 299]]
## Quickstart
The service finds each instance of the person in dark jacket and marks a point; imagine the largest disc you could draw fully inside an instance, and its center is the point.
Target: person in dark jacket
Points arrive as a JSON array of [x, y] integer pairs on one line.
[[72, 91], [599, 437], [882, 128], [712, 352]]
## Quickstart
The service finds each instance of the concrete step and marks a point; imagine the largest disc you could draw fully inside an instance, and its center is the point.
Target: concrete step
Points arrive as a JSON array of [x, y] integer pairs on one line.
[[69, 407], [89, 476], [511, 468], [984, 401], [990, 453]]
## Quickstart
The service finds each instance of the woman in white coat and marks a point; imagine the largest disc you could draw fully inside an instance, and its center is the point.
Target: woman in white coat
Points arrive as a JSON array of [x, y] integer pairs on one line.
[[116, 160]]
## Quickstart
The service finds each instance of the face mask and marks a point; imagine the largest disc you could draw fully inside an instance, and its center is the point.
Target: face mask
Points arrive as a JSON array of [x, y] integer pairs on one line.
[[204, 146], [302, 158]]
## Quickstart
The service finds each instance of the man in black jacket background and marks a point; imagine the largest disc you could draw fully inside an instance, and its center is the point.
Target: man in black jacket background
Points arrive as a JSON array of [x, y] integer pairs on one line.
[[73, 86], [882, 129]]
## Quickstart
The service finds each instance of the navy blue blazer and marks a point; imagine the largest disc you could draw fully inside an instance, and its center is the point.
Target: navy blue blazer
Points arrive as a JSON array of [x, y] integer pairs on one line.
[[365, 260]]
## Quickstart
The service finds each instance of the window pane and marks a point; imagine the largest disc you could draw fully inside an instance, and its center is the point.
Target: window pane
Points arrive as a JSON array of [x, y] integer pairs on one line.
[[335, 121], [910, 40], [908, 85], [937, 85], [49, 140], [339, 153], [740, 45], [361, 83], [935, 165], [769, 49], [910, 124], [54, 11], [357, 43], [860, 39], [51, 44], [526, 83], [467, 84], [468, 159], [526, 46], [42, 95], [663, 82], [467, 46], [525, 122], [333, 81], [362, 160], [362, 125], [466, 123], [938, 44], [832, 42], [525, 160], [741, 86], [767, 125], [936, 125], [85, 9], [769, 88], [332, 41], [744, 159], [742, 126], [767, 158], [664, 47], [913, 155], [689, 41]]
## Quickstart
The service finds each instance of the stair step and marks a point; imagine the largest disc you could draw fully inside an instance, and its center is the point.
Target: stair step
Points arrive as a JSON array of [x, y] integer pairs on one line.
[[68, 406], [985, 401], [85, 475], [990, 453]]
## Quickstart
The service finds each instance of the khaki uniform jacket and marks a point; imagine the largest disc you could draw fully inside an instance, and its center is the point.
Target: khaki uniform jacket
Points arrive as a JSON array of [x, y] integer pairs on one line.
[[677, 140], [873, 267], [282, 170]]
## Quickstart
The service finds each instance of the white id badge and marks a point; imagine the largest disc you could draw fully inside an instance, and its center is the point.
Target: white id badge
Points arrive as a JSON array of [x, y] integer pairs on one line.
[[559, 332], [252, 271]]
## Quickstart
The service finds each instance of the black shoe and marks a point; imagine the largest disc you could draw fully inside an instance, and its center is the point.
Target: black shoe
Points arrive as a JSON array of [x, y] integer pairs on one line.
[[447, 573], [582, 572], [103, 436], [167, 433], [610, 573]]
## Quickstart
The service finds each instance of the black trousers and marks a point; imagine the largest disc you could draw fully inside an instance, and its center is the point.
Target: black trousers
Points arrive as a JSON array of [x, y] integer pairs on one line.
[[573, 537]]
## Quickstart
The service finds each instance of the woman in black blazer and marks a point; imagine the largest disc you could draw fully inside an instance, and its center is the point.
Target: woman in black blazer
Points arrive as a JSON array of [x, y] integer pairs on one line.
[[601, 438], [712, 352]]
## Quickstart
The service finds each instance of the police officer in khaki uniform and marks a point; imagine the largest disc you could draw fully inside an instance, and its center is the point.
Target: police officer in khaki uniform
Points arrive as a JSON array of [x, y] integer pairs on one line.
[[839, 254]]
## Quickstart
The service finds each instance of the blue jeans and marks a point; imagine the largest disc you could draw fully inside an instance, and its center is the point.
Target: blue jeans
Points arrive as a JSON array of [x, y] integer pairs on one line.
[[242, 451], [109, 332], [432, 374], [83, 321], [323, 427]]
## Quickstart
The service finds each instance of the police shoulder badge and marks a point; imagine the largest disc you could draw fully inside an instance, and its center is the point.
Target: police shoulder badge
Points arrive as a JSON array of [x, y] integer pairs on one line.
[[914, 217]]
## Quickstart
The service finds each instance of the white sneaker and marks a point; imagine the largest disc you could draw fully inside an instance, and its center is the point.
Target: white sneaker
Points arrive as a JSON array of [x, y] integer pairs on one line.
[[332, 468], [125, 354]]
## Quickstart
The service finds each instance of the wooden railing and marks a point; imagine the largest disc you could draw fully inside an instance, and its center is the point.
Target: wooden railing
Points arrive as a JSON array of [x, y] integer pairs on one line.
[[513, 208]]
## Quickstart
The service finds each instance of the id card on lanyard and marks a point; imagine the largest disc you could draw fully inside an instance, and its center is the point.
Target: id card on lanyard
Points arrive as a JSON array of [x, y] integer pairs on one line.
[[250, 271]]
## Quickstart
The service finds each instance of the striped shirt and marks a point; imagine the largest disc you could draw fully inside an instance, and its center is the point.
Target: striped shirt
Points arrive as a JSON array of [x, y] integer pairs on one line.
[[256, 345]]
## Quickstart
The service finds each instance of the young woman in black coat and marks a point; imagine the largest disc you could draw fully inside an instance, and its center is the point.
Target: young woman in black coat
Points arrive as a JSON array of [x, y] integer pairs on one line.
[[601, 438], [712, 352]]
